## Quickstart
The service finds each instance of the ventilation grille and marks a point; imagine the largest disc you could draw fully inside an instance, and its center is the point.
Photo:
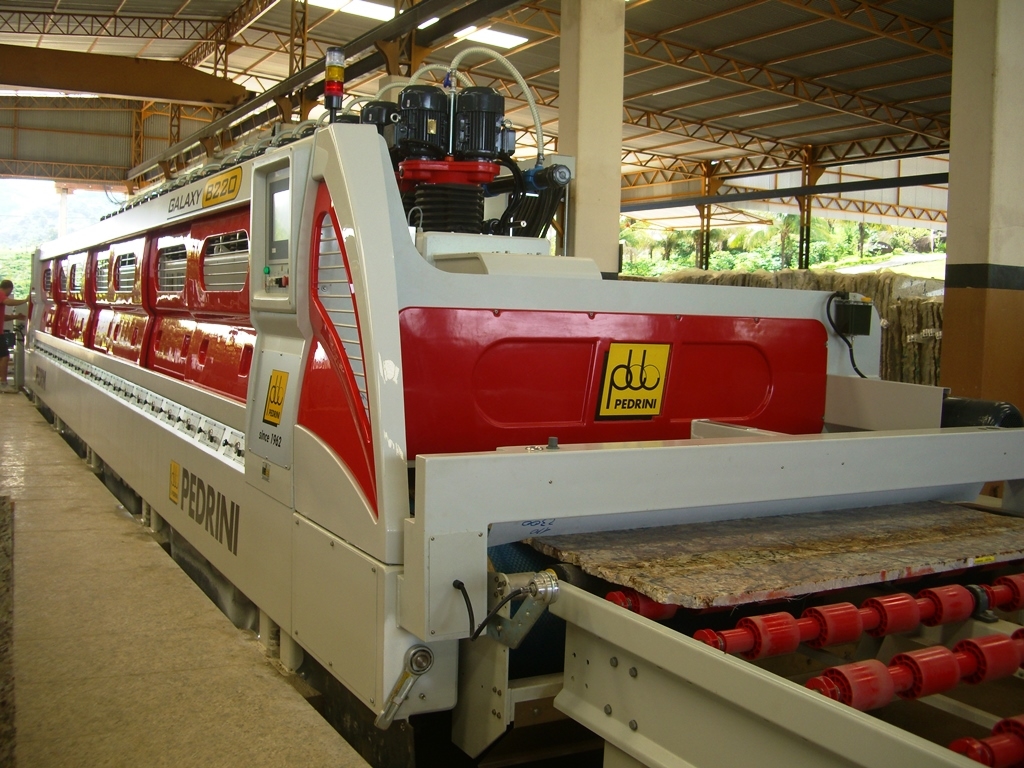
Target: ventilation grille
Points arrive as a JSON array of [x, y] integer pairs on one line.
[[226, 262], [335, 294], [170, 265], [47, 280], [102, 274], [125, 280], [76, 277]]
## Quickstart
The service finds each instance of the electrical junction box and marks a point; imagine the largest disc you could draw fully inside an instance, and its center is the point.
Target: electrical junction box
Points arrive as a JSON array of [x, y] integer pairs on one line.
[[853, 316]]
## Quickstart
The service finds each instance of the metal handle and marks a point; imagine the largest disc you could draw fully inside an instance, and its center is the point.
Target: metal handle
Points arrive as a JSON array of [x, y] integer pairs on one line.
[[418, 661]]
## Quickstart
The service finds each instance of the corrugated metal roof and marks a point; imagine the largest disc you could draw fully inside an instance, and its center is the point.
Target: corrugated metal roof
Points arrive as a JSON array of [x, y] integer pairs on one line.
[[746, 84]]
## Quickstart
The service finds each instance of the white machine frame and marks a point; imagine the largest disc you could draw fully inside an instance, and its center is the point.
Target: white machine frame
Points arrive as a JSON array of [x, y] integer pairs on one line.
[[359, 593]]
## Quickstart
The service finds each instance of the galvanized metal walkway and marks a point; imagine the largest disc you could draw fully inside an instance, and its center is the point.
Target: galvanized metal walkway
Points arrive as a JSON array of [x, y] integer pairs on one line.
[[119, 659]]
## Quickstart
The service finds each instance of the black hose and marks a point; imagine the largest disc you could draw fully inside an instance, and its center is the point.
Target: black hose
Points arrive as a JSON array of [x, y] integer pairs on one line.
[[515, 197]]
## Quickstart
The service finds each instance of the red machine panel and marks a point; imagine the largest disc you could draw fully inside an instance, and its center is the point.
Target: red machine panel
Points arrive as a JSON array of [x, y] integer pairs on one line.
[[478, 379], [218, 285], [219, 358], [120, 334], [169, 349], [75, 324], [330, 404]]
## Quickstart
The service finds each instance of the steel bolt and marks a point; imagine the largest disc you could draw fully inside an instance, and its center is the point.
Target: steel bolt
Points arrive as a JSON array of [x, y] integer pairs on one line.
[[421, 660], [632, 725], [632, 671], [607, 709], [613, 661]]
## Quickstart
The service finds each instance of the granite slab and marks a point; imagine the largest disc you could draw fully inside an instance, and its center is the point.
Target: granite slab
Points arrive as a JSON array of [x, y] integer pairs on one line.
[[733, 562]]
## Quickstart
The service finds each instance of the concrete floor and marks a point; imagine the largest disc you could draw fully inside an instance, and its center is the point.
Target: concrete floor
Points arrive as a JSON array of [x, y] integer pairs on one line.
[[119, 659]]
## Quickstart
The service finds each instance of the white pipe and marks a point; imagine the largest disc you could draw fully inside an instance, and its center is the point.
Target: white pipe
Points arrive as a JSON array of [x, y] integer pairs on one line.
[[537, 127], [361, 100], [462, 77]]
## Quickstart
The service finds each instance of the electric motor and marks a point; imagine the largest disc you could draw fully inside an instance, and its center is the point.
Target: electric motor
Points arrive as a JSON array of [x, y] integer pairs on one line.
[[423, 129], [383, 115], [480, 130]]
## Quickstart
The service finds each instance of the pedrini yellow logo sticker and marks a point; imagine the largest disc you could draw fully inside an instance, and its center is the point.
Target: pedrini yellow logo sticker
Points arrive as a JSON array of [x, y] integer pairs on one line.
[[222, 188], [275, 397], [633, 383], [175, 488]]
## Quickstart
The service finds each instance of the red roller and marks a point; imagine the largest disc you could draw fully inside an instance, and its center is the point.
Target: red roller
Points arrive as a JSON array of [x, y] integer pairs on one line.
[[993, 656], [641, 604], [732, 641], [771, 635], [836, 623], [774, 634], [933, 670], [952, 603], [1007, 592], [862, 685], [1003, 749], [896, 613], [924, 672]]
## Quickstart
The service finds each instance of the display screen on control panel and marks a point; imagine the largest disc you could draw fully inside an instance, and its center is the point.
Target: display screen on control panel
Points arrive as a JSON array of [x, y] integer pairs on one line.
[[280, 215]]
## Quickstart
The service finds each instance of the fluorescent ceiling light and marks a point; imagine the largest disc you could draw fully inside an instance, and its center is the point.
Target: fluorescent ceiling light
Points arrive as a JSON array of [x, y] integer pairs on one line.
[[490, 37], [428, 23], [358, 8], [497, 39]]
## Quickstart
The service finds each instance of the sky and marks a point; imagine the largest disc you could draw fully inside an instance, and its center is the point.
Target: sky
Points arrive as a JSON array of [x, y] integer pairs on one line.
[[30, 210]]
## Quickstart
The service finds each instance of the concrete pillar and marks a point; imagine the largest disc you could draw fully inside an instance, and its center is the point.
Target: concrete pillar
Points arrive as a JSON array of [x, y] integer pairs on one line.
[[62, 214], [982, 341], [590, 124]]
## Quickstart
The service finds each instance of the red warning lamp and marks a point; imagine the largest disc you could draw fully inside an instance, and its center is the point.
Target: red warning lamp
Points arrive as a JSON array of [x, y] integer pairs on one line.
[[334, 80]]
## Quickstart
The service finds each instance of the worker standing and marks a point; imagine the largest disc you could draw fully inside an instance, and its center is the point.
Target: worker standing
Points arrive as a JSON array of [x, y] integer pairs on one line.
[[6, 289]]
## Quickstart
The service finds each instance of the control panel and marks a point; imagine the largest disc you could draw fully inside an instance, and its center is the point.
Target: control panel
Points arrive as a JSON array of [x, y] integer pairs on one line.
[[276, 278]]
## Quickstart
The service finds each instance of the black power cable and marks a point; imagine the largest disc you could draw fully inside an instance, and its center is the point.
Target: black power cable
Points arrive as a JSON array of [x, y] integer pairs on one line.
[[475, 633], [828, 314], [469, 603]]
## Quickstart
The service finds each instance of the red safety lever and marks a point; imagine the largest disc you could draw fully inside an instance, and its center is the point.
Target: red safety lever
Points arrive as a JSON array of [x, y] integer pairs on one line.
[[871, 684]]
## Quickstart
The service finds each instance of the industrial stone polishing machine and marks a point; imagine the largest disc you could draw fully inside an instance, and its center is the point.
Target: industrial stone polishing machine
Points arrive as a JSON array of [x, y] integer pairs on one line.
[[347, 370]]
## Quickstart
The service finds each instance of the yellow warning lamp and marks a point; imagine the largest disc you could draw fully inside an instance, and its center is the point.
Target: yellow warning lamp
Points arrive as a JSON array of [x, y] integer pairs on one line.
[[334, 80]]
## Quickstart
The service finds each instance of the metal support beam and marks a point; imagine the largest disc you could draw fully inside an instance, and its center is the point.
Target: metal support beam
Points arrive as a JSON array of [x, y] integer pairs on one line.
[[663, 50], [703, 256], [709, 185], [106, 25], [174, 125], [920, 180], [34, 169], [882, 22], [927, 216], [810, 173], [299, 36], [144, 79], [240, 19], [402, 56]]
